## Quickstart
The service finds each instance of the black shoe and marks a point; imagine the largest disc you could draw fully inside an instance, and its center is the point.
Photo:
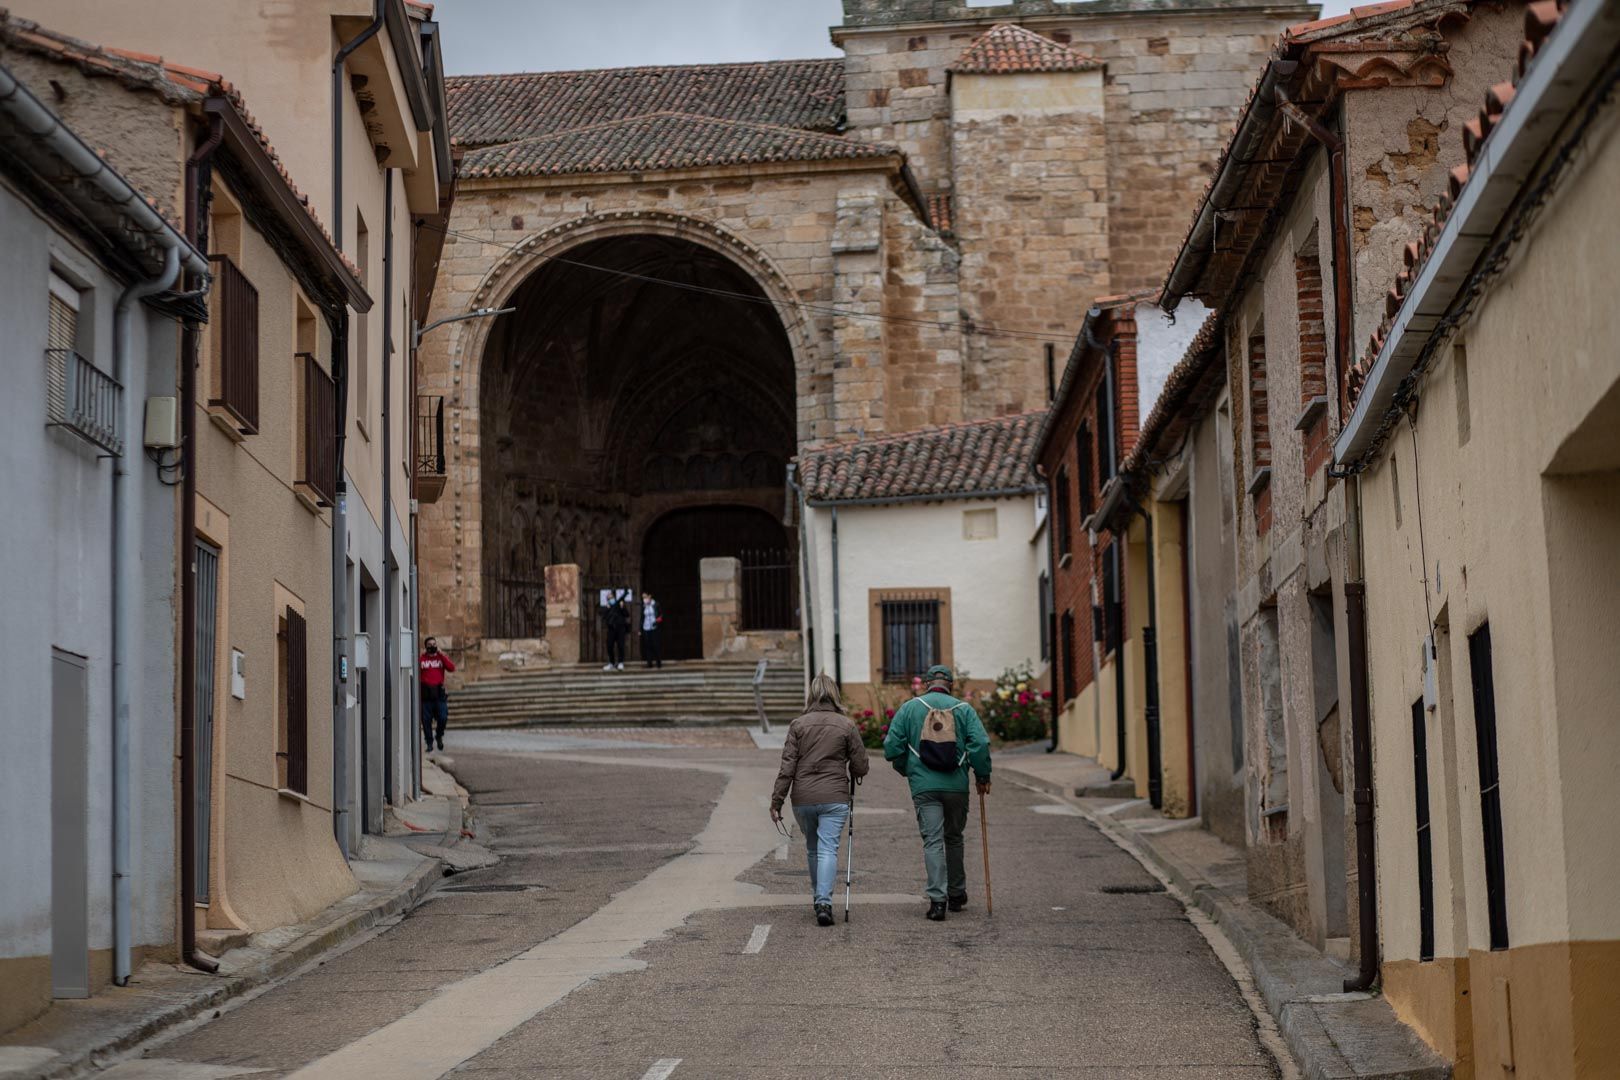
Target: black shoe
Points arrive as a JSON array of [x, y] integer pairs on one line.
[[824, 915], [936, 910], [957, 903], [441, 742]]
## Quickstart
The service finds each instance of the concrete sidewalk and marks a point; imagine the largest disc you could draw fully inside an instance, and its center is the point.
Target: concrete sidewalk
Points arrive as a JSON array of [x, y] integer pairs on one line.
[[425, 840], [1331, 1034]]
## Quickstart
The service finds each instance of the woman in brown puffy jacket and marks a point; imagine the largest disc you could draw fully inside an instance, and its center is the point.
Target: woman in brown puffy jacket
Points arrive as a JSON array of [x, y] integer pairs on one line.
[[821, 760]]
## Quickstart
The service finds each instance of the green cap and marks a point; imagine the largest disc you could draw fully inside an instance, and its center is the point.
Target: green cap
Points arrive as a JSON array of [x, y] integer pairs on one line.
[[939, 673]]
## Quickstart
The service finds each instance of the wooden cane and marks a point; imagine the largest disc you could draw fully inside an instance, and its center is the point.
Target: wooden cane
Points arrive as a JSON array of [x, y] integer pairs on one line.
[[984, 834]]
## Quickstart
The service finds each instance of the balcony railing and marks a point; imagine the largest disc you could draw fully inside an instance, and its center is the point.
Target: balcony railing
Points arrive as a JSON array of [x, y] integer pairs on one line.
[[430, 473], [83, 399], [320, 464], [236, 346]]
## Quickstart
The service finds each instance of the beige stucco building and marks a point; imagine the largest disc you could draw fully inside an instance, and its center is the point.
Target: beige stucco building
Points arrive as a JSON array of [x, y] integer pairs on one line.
[[366, 144], [894, 239], [1486, 467]]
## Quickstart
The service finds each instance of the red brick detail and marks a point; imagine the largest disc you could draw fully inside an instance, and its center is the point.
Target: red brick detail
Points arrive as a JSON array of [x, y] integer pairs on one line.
[[1312, 328], [1259, 411]]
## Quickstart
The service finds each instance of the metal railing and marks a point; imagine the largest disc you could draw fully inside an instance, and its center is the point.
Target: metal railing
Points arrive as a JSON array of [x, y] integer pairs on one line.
[[84, 399], [320, 431], [236, 343], [430, 472], [768, 581]]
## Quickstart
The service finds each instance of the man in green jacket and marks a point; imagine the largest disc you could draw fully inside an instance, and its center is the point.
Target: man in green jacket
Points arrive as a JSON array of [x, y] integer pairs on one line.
[[940, 795]]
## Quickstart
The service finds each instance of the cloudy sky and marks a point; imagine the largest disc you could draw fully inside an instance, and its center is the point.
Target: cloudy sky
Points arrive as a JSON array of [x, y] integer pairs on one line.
[[557, 35]]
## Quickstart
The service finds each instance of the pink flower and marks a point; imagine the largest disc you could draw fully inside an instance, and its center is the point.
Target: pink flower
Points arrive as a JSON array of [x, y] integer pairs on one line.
[[1025, 697], [1046, 695], [885, 729], [1018, 716], [888, 714]]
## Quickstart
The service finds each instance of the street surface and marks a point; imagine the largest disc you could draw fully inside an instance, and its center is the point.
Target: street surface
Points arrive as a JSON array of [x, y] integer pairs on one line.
[[646, 921]]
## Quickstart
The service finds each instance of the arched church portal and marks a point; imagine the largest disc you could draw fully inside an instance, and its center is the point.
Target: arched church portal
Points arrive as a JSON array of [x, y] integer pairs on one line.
[[637, 415]]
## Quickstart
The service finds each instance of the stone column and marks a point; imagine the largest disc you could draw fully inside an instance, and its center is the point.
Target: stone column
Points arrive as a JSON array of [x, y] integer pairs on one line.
[[562, 612], [722, 603]]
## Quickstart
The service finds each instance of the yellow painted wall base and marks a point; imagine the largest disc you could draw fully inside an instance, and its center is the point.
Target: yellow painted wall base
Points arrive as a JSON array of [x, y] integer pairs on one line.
[[1537, 1011]]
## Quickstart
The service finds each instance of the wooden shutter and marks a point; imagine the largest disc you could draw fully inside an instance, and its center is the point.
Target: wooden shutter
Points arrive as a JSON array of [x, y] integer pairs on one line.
[[236, 343], [297, 704]]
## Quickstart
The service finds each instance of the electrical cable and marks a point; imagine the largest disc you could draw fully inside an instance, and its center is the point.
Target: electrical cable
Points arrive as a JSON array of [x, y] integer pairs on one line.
[[708, 290]]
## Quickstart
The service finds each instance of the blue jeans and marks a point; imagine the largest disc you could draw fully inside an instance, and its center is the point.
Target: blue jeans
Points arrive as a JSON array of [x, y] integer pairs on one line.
[[823, 827]]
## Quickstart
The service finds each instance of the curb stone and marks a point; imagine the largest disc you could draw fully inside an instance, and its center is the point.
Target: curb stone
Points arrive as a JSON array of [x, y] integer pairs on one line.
[[1332, 1035]]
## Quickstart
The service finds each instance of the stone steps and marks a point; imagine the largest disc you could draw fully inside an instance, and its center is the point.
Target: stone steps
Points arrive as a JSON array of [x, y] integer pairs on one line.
[[698, 692]]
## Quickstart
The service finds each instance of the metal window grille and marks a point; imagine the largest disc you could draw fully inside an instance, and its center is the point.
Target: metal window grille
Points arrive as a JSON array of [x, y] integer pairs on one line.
[[83, 399], [1425, 854], [1060, 510], [767, 590], [297, 703], [236, 343], [1084, 448], [1070, 682], [1490, 783], [910, 636], [207, 644], [320, 431]]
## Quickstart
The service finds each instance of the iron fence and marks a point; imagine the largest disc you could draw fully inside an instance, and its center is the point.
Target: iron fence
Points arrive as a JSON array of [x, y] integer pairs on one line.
[[517, 608], [768, 581], [430, 435]]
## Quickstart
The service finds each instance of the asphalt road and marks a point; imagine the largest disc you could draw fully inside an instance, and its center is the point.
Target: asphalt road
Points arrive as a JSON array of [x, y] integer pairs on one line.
[[645, 922]]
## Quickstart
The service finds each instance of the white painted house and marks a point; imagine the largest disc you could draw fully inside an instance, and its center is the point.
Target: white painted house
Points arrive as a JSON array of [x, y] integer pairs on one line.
[[922, 548]]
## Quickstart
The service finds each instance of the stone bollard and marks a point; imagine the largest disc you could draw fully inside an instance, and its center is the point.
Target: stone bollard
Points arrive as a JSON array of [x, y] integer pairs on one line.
[[722, 603], [562, 612]]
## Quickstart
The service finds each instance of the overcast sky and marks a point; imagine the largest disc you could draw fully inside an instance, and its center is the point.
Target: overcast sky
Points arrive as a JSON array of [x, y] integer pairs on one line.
[[559, 35]]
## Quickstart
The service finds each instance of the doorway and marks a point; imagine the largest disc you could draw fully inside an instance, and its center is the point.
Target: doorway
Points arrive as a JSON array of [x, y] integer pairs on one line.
[[675, 545], [70, 825]]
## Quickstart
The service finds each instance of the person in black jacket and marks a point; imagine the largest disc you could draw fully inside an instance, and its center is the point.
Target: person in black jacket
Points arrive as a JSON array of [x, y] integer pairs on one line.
[[617, 617]]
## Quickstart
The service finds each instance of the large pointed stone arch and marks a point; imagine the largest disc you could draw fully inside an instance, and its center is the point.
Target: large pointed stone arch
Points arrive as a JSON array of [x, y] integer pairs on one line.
[[453, 551]]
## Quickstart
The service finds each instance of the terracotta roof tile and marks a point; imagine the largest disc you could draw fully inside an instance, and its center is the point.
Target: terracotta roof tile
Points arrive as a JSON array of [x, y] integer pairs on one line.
[[488, 109], [174, 83], [940, 214], [1540, 19], [1006, 48], [954, 461], [658, 142]]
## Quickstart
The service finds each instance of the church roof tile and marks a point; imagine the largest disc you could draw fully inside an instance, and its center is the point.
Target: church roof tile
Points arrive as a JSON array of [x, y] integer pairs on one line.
[[1006, 49]]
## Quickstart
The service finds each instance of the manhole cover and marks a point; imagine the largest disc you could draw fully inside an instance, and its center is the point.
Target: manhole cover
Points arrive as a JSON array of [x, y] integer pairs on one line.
[[1117, 889], [509, 887]]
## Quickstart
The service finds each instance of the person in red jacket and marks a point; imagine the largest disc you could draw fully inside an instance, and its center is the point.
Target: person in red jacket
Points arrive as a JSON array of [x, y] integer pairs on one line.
[[435, 702]]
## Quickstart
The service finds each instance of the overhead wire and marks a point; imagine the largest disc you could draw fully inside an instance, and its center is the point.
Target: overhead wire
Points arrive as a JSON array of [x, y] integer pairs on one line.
[[728, 294]]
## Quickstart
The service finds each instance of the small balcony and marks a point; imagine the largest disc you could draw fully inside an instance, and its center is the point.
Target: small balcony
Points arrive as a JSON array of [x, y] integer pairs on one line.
[[430, 472], [83, 399]]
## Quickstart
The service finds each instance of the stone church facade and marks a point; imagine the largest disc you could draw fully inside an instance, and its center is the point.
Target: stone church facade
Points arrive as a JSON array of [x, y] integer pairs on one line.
[[714, 266]]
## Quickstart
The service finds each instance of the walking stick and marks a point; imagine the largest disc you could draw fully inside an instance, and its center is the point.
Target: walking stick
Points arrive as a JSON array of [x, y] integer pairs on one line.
[[849, 861], [984, 834]]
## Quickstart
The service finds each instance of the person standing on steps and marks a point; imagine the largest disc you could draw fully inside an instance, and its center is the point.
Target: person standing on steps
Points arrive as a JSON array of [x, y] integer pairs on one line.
[[617, 617], [933, 741], [433, 665], [822, 757], [651, 629]]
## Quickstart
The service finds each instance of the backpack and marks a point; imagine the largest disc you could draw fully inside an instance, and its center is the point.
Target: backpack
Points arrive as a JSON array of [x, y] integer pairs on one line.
[[937, 746]]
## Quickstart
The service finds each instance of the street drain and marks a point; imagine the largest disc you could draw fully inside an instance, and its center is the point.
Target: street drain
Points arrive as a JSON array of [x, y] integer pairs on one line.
[[509, 887], [1118, 889]]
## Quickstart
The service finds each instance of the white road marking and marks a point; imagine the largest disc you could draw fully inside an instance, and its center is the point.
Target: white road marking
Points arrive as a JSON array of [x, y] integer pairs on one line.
[[1059, 809], [661, 1069], [169, 1069], [756, 940]]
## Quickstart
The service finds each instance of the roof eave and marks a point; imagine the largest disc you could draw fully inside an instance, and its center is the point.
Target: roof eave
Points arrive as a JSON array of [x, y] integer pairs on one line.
[[928, 496]]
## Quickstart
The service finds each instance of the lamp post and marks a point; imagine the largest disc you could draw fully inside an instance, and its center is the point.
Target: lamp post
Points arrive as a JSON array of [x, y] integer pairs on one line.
[[417, 334]]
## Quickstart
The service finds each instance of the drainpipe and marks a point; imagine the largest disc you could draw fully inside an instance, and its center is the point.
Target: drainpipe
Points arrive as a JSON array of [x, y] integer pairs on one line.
[[838, 619], [197, 181], [340, 504], [388, 630], [806, 603], [1355, 598], [126, 601]]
